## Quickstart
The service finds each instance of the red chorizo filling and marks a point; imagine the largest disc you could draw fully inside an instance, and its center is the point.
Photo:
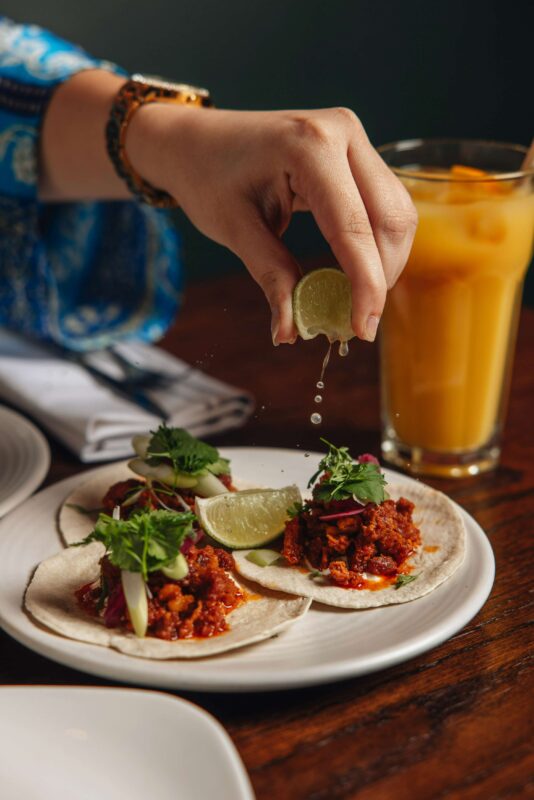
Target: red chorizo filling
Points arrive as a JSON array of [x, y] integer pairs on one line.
[[139, 495], [351, 541], [195, 607]]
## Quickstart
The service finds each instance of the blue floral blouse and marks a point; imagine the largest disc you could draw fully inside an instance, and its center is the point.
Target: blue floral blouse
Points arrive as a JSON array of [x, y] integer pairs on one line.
[[83, 275]]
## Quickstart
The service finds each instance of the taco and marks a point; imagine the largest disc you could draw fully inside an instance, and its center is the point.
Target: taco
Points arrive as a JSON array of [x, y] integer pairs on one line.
[[142, 587], [174, 468], [356, 544]]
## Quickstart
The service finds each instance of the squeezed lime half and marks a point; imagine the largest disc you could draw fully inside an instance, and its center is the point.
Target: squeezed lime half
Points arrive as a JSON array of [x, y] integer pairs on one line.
[[322, 303]]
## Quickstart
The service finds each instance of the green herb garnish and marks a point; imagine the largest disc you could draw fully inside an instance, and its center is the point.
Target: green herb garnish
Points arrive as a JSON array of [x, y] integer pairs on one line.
[[145, 542], [294, 510], [185, 453], [402, 580], [104, 593], [363, 482]]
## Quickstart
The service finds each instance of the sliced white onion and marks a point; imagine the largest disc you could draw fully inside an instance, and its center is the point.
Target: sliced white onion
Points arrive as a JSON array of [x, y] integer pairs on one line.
[[163, 473], [178, 569], [314, 569], [209, 486], [133, 498], [134, 590], [140, 444], [263, 558]]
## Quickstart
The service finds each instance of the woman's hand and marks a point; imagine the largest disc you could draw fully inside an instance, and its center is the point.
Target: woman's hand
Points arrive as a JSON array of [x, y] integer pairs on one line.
[[240, 175]]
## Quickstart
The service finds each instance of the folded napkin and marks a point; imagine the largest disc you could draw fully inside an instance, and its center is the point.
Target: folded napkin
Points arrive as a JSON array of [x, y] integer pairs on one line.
[[93, 421]]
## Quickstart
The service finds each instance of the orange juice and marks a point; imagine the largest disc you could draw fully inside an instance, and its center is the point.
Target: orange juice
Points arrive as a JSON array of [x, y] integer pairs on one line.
[[449, 325]]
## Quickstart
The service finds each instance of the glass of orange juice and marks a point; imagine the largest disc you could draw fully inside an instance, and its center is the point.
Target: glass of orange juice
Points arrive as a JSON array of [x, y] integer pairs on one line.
[[450, 322]]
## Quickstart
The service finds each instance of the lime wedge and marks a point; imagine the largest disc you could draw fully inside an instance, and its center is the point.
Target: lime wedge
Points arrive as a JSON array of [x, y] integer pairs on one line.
[[322, 303], [246, 519]]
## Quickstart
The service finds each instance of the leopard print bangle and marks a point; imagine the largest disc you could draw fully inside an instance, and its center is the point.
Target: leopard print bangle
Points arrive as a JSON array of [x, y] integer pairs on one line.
[[136, 92]]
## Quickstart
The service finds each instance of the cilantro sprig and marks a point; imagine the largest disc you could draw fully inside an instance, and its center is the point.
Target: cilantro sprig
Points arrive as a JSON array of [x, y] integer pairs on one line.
[[346, 479], [185, 452], [403, 579], [145, 542], [295, 509]]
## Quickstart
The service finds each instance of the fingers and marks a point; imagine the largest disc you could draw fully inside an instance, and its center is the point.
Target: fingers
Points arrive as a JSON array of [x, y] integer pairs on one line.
[[328, 188], [362, 209], [275, 270], [389, 207]]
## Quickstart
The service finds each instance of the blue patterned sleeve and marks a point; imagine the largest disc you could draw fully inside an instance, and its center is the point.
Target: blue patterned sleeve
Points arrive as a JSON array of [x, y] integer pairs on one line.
[[83, 275]]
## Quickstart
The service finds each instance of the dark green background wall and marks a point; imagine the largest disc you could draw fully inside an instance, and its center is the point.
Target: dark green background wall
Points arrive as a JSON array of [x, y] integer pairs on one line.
[[412, 68]]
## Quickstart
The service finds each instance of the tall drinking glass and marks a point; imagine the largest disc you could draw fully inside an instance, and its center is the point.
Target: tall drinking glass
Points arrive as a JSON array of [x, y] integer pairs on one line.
[[450, 323]]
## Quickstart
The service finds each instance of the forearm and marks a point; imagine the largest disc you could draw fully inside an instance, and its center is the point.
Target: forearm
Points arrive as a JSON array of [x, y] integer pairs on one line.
[[74, 164]]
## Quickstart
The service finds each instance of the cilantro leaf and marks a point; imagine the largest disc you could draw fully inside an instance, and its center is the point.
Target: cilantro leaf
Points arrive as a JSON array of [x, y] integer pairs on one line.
[[294, 510], [185, 453], [346, 479], [402, 580], [145, 542]]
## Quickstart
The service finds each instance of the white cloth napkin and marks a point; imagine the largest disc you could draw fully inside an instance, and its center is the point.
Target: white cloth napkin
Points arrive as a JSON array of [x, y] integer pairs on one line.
[[93, 421]]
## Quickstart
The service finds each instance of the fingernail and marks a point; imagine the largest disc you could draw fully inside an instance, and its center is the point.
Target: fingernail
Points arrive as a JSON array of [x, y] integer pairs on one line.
[[371, 327], [275, 327]]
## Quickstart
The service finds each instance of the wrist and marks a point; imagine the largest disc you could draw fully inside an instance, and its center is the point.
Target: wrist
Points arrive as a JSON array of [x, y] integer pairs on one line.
[[156, 142]]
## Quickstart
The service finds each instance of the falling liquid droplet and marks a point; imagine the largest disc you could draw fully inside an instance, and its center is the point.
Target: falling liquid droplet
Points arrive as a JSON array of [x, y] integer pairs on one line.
[[320, 384], [316, 419], [343, 349], [318, 398], [326, 359], [306, 455]]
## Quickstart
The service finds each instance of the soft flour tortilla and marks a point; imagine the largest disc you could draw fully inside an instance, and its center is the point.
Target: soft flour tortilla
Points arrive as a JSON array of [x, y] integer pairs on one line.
[[441, 527], [75, 524], [50, 600]]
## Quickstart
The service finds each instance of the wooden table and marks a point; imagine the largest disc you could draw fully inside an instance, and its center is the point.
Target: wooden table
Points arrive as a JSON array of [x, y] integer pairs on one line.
[[453, 723]]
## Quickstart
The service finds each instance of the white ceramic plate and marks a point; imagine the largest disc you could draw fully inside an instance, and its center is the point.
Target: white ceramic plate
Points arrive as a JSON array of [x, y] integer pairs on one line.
[[87, 743], [327, 644], [24, 459]]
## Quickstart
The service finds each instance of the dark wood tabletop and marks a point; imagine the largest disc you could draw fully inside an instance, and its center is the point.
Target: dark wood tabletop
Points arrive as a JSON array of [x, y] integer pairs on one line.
[[455, 722]]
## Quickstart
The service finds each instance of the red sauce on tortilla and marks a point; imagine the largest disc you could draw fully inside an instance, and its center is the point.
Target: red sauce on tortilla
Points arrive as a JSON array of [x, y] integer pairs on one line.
[[195, 607], [377, 540]]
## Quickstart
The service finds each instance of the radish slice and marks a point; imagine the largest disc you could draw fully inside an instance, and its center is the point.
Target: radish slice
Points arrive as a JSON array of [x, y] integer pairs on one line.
[[368, 458], [342, 514]]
